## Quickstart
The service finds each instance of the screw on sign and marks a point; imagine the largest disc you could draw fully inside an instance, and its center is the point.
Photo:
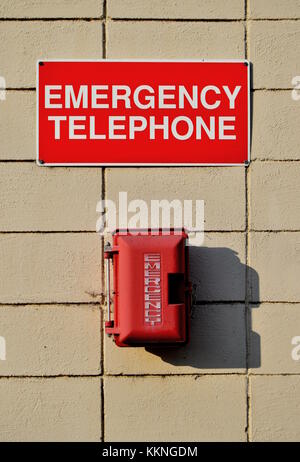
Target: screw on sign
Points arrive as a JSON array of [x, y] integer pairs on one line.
[[143, 112]]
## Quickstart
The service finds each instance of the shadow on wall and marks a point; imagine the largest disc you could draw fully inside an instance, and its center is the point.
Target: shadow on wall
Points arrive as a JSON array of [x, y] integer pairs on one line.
[[218, 323]]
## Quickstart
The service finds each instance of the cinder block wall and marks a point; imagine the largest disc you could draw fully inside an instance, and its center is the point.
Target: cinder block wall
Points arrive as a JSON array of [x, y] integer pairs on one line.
[[236, 380]]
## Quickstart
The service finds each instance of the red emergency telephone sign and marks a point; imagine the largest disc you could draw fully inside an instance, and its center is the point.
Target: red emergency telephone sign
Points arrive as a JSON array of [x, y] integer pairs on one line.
[[143, 113]]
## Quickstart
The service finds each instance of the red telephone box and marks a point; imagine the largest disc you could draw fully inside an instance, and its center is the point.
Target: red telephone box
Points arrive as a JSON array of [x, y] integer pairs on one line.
[[152, 293]]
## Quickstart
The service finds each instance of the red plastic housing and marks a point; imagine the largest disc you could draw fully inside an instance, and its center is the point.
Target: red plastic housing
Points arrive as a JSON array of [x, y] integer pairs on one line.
[[151, 294]]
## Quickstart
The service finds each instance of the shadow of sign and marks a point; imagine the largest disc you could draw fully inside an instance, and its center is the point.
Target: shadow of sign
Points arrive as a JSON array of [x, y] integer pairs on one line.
[[219, 320]]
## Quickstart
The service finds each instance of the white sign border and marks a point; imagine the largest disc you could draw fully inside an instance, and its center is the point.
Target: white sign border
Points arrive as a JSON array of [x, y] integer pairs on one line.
[[86, 164]]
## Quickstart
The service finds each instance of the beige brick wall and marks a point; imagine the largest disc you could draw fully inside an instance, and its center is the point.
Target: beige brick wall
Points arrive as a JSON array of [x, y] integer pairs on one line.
[[182, 397], [237, 380], [50, 409]]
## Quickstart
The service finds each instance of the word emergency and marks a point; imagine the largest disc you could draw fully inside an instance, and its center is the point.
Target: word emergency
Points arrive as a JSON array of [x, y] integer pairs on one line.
[[116, 98], [152, 288]]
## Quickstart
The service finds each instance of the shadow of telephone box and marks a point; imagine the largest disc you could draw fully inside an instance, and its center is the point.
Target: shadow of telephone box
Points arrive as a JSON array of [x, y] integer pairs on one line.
[[221, 314]]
